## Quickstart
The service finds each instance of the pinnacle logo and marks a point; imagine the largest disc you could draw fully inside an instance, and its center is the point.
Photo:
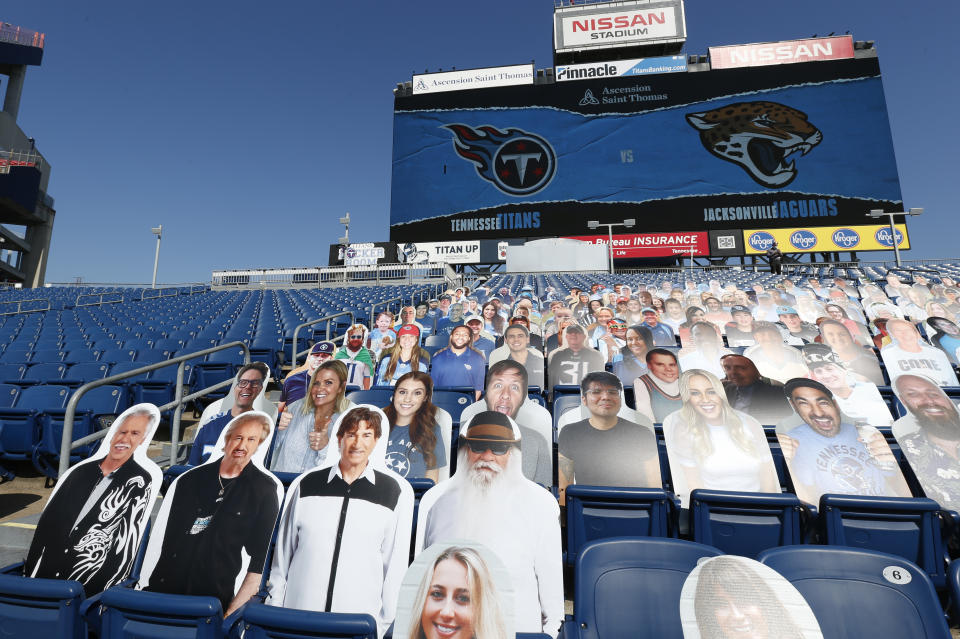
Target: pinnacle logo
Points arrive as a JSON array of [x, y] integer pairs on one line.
[[588, 98], [517, 162]]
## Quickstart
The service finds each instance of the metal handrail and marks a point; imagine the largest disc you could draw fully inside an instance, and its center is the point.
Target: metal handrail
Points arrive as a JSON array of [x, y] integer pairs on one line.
[[197, 288], [20, 304], [100, 301], [67, 443], [293, 347], [385, 305], [170, 292]]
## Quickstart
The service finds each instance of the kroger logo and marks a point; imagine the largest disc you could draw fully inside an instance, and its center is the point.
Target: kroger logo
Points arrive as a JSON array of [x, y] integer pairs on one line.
[[846, 238], [883, 237], [803, 239], [760, 241]]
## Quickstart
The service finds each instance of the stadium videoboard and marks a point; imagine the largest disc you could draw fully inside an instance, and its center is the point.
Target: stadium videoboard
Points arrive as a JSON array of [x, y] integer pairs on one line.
[[745, 148]]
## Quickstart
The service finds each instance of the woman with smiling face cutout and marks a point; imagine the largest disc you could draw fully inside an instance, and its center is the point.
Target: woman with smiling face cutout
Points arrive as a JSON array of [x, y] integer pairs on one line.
[[303, 444], [732, 597], [457, 599], [711, 445], [415, 447]]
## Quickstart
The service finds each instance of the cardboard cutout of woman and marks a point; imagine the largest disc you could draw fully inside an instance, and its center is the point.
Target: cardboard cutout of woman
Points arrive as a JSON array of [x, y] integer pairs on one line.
[[456, 589], [212, 532], [711, 445], [730, 596], [91, 527]]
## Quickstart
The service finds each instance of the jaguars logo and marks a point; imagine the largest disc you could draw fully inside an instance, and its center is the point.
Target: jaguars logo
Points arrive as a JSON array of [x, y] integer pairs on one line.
[[759, 136]]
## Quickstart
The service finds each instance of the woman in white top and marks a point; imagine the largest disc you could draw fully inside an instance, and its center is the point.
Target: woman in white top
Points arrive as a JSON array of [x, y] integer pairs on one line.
[[711, 445]]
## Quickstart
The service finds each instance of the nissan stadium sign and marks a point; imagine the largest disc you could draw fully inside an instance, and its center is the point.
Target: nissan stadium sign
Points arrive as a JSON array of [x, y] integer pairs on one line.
[[629, 23], [789, 52], [621, 68], [473, 79]]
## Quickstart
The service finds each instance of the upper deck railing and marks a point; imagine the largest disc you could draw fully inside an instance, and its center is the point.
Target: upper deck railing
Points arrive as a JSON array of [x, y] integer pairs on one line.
[[19, 35]]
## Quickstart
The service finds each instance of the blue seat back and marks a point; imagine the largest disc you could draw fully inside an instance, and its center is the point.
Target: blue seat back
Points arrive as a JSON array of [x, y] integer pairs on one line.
[[836, 583], [270, 622], [908, 527], [135, 614], [599, 512], [628, 587], [48, 608], [745, 523], [454, 402], [378, 396], [8, 395]]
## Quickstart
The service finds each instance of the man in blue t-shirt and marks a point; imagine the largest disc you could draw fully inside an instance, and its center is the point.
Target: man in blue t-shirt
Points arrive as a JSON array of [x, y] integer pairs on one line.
[[459, 364], [827, 455], [250, 381]]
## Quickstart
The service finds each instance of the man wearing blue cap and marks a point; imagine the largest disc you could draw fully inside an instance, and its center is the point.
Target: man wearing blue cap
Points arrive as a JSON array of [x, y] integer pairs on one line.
[[799, 332]]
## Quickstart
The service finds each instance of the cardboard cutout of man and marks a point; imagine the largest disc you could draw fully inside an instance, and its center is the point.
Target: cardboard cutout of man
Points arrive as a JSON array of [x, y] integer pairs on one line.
[[657, 393], [344, 535], [569, 364], [357, 357], [251, 380], [772, 357], [856, 358], [908, 353], [459, 364], [516, 347], [212, 533], [929, 436], [748, 391], [92, 525], [606, 449], [857, 398], [828, 455], [490, 502]]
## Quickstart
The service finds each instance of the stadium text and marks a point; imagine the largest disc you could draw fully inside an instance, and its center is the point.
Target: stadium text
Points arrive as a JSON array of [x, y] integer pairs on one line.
[[784, 209], [501, 221]]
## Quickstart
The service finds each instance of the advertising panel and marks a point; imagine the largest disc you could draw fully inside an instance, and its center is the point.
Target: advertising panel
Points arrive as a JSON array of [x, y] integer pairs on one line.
[[867, 237], [363, 254], [652, 244], [466, 252], [631, 23], [620, 68], [675, 151], [788, 52], [473, 79]]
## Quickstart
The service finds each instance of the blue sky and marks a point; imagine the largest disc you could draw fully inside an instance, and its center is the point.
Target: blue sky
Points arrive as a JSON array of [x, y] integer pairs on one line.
[[248, 128]]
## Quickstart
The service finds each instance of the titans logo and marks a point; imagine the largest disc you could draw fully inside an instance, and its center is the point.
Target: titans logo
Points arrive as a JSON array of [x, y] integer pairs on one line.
[[518, 163]]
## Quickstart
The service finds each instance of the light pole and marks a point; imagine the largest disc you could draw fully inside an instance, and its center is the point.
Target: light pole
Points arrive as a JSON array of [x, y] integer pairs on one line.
[[594, 224], [158, 231], [878, 213]]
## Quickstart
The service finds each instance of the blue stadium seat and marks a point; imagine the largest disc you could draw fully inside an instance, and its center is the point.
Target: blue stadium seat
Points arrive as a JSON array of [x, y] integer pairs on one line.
[[628, 587], [9, 394], [379, 396], [79, 374], [745, 523], [601, 512], [908, 527], [260, 621], [46, 373], [48, 608], [12, 372], [134, 614], [95, 411], [453, 401], [21, 424], [117, 355], [858, 594], [149, 356]]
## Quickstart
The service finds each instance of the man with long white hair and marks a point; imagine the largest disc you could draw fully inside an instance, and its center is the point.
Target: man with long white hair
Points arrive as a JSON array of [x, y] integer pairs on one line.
[[489, 501]]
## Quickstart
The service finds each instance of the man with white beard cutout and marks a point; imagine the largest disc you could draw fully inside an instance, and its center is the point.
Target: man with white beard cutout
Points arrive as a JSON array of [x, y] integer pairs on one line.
[[489, 501]]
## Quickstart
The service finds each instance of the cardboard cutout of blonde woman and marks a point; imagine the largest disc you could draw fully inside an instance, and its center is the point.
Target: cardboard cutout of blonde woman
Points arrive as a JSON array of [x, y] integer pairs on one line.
[[212, 533], [489, 501], [344, 535], [729, 596], [711, 445], [929, 436], [91, 527], [826, 452], [455, 589]]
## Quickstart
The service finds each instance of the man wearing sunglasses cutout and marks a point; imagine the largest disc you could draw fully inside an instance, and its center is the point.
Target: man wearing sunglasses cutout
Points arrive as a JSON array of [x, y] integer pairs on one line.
[[489, 501]]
